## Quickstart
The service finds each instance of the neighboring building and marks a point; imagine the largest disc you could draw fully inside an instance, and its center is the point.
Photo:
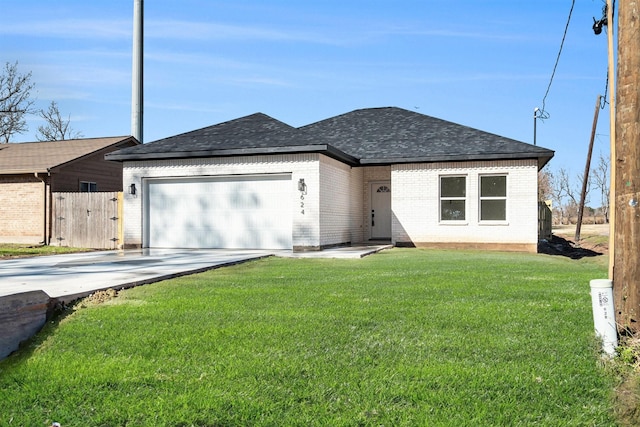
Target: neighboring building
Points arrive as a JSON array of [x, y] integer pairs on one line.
[[379, 174], [30, 172]]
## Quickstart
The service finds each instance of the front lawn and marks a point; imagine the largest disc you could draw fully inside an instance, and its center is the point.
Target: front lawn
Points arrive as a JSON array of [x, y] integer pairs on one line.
[[16, 250], [405, 337]]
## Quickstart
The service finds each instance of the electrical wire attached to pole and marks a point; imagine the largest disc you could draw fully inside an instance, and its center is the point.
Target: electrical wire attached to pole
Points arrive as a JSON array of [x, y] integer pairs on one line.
[[603, 99], [541, 113], [597, 29]]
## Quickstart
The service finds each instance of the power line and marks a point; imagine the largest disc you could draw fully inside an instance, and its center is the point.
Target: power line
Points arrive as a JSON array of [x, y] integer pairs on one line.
[[542, 112], [603, 101]]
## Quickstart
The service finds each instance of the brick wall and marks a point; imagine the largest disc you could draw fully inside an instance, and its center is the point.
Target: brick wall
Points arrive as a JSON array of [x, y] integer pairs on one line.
[[415, 203], [21, 209], [341, 203], [305, 211], [335, 208]]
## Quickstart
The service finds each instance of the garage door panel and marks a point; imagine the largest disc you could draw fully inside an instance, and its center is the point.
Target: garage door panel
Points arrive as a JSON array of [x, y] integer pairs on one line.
[[234, 212]]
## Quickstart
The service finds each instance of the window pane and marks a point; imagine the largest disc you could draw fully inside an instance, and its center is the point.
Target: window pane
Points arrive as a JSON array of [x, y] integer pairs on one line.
[[453, 186], [493, 210], [452, 210], [493, 186]]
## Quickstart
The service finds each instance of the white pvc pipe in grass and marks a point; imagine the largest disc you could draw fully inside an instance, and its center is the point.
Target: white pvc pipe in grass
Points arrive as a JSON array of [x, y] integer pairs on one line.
[[604, 314]]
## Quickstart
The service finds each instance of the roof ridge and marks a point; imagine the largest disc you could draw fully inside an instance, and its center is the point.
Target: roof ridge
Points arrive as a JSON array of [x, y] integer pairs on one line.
[[221, 124]]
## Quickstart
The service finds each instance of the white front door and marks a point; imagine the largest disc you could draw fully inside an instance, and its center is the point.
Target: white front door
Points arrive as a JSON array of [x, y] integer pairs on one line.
[[380, 215]]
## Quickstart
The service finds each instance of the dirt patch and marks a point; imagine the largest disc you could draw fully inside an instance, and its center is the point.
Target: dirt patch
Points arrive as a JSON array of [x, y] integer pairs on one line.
[[99, 297], [585, 230]]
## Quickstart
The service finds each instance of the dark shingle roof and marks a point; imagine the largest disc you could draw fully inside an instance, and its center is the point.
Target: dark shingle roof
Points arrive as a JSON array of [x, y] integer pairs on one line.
[[368, 136], [254, 131], [394, 135]]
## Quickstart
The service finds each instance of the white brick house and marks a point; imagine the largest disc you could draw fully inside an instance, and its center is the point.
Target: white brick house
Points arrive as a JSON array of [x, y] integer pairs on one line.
[[383, 174]]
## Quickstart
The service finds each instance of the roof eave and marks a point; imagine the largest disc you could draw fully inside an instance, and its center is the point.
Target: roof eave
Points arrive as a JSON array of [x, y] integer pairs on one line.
[[23, 171], [297, 149], [542, 158]]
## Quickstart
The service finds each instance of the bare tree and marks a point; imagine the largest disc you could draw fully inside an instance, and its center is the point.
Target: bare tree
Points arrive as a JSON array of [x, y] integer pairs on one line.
[[557, 197], [56, 127], [568, 190], [545, 191], [601, 181], [565, 194], [15, 101]]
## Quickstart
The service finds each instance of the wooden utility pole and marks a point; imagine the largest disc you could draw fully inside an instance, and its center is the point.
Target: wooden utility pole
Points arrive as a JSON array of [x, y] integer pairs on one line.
[[626, 271], [587, 168], [611, 74]]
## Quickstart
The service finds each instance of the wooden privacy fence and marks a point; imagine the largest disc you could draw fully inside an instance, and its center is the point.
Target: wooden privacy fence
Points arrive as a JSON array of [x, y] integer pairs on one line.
[[544, 221], [87, 220]]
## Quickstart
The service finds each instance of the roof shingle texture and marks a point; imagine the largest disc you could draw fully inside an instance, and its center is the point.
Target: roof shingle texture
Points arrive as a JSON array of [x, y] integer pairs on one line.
[[387, 134], [30, 157], [367, 136]]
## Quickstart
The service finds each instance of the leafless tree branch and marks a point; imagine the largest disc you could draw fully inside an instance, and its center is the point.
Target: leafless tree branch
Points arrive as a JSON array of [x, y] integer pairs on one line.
[[56, 127], [15, 101]]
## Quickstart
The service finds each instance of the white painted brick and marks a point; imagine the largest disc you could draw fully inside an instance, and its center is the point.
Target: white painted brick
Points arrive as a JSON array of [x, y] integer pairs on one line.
[[305, 226], [415, 203], [336, 207], [340, 203]]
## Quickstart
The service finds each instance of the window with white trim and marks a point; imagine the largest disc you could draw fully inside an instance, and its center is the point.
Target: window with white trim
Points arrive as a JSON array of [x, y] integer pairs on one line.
[[493, 198], [453, 198], [88, 187]]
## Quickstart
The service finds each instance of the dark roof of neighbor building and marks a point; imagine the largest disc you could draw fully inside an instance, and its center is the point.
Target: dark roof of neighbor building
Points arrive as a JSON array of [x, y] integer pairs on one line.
[[362, 137], [43, 157]]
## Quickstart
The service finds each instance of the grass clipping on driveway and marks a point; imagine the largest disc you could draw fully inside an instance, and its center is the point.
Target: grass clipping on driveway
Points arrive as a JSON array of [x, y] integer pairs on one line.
[[405, 337]]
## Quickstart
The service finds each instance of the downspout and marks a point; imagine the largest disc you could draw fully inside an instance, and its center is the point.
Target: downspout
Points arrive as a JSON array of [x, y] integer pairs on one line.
[[45, 240]]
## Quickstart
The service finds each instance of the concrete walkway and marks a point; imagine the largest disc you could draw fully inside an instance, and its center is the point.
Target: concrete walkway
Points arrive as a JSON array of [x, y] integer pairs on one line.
[[72, 276]]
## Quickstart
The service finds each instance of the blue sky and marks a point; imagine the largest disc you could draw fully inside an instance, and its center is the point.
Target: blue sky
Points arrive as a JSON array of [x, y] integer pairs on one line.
[[484, 64]]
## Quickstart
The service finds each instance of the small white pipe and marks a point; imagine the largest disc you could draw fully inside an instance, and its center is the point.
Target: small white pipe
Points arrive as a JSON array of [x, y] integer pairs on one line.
[[604, 314]]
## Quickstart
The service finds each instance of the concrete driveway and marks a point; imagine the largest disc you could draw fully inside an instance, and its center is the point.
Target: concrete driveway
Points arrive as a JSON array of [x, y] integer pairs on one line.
[[72, 276]]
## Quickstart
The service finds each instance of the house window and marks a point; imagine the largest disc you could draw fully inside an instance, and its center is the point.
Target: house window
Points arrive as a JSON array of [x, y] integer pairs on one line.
[[453, 198], [493, 198], [88, 187]]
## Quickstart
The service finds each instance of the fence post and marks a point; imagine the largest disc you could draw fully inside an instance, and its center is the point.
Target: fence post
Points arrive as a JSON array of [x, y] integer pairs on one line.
[[120, 220]]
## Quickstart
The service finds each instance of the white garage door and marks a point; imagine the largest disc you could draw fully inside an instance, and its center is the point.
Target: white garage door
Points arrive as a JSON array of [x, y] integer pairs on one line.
[[248, 212]]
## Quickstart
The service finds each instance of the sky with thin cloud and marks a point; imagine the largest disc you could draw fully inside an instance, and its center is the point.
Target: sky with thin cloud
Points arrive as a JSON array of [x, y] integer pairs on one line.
[[485, 64]]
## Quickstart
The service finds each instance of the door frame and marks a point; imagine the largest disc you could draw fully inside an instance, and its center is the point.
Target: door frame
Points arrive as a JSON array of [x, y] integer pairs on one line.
[[373, 185]]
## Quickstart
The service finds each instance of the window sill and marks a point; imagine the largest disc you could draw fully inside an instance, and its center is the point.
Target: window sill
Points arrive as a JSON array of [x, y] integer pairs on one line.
[[453, 223], [492, 223]]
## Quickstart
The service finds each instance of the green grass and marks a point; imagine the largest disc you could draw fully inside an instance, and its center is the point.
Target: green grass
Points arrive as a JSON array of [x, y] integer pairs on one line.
[[14, 250], [403, 338]]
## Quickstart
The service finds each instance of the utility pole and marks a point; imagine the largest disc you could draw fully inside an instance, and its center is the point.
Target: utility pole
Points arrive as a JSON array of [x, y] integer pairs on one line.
[[137, 70], [612, 135], [587, 167], [626, 271]]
